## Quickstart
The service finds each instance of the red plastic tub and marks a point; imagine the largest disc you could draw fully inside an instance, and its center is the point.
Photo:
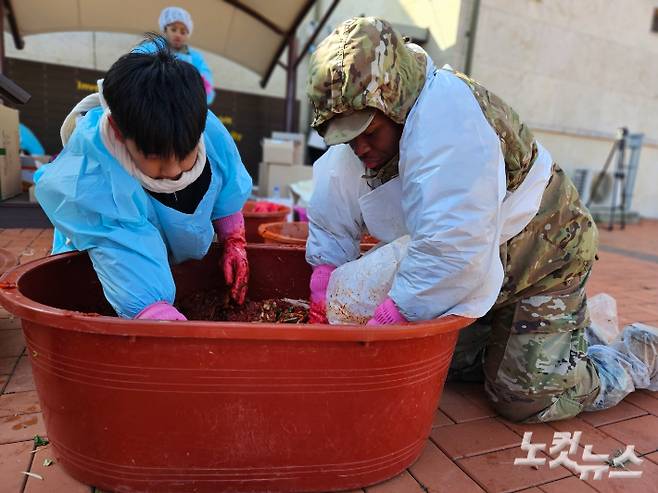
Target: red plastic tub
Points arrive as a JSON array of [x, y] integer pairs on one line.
[[296, 233], [145, 406], [252, 220]]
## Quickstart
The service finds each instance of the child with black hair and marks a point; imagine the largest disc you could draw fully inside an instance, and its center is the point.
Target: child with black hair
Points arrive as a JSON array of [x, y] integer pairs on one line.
[[147, 175]]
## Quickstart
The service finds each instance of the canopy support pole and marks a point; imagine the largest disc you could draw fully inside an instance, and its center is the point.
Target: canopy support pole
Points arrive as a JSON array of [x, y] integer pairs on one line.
[[291, 85]]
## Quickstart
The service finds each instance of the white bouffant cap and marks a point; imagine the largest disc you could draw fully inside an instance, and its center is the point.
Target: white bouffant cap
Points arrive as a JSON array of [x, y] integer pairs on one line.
[[175, 14]]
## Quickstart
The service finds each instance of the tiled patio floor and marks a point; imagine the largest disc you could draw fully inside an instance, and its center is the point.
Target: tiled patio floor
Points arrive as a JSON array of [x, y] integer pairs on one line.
[[470, 448]]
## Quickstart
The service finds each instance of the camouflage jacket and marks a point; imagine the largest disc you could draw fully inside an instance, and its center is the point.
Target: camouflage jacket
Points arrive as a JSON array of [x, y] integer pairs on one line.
[[557, 248]]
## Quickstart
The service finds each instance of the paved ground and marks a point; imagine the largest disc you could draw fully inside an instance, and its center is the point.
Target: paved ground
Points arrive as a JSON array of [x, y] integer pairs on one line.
[[470, 448]]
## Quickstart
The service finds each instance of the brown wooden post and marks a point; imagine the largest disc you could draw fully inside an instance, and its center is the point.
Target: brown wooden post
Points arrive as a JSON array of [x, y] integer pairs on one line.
[[2, 36], [291, 85]]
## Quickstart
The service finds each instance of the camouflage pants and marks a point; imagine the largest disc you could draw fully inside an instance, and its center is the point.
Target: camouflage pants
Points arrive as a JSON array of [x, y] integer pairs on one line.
[[531, 355]]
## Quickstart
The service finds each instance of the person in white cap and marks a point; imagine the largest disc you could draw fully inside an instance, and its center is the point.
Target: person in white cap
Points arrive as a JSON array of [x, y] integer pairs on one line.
[[177, 26]]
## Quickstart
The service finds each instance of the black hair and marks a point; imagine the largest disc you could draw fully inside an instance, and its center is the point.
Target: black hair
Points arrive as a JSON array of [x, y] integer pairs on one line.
[[157, 100]]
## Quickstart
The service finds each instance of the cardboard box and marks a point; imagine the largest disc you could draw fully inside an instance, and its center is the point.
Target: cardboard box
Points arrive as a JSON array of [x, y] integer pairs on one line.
[[10, 164], [298, 139], [294, 137], [287, 152], [272, 175]]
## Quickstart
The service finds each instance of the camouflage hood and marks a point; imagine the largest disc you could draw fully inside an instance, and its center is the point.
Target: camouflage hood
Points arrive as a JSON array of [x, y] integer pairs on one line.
[[364, 63]]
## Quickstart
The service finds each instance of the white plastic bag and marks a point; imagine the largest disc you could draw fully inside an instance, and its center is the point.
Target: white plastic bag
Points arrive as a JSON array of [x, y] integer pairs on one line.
[[357, 288], [604, 325]]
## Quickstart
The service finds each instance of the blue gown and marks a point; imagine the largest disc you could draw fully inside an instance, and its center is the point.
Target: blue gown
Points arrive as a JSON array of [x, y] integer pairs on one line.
[[96, 206]]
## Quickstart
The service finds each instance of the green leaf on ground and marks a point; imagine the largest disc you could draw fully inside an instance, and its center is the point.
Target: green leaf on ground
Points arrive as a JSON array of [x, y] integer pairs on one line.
[[39, 441]]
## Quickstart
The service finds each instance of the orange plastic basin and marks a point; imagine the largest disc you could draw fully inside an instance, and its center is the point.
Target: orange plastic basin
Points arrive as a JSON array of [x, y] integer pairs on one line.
[[145, 406], [252, 220], [296, 233]]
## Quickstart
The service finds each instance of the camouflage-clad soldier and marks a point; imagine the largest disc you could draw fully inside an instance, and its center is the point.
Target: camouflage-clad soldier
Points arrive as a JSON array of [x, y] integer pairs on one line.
[[498, 231]]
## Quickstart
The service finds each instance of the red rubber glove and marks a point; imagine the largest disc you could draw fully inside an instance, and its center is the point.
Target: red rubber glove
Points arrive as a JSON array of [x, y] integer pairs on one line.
[[319, 283], [230, 232], [265, 207], [386, 314], [160, 310]]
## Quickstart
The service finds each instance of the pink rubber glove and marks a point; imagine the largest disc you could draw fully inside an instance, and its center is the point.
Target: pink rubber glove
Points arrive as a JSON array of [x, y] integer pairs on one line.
[[230, 232], [207, 85], [387, 313], [208, 88], [319, 283], [160, 310]]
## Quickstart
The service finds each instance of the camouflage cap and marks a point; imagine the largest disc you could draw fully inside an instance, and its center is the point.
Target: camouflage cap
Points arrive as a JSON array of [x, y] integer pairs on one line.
[[346, 127], [364, 63]]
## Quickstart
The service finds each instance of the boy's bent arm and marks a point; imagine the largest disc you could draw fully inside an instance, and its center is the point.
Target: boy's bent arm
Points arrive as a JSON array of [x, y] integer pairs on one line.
[[133, 268], [127, 251]]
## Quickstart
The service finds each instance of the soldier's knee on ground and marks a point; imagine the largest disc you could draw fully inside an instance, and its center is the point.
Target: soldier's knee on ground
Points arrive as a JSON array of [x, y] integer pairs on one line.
[[535, 362], [523, 405]]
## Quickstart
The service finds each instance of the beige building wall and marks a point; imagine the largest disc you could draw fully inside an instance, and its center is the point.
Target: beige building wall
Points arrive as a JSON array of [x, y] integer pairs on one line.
[[573, 151], [575, 72]]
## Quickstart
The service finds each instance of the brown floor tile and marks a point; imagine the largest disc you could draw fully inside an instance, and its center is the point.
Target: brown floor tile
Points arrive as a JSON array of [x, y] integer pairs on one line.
[[641, 432], [461, 408], [7, 365], [437, 473], [440, 419], [19, 403], [541, 432], [55, 479], [20, 428], [641, 313], [14, 459], [530, 490], [467, 388], [9, 323], [474, 438], [601, 442], [12, 342], [643, 401], [623, 410], [647, 483], [572, 485], [652, 457], [404, 483], [21, 380], [496, 471]]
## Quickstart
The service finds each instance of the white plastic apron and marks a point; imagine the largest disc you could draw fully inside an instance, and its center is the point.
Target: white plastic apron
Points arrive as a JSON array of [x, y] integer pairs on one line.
[[382, 213], [383, 216]]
